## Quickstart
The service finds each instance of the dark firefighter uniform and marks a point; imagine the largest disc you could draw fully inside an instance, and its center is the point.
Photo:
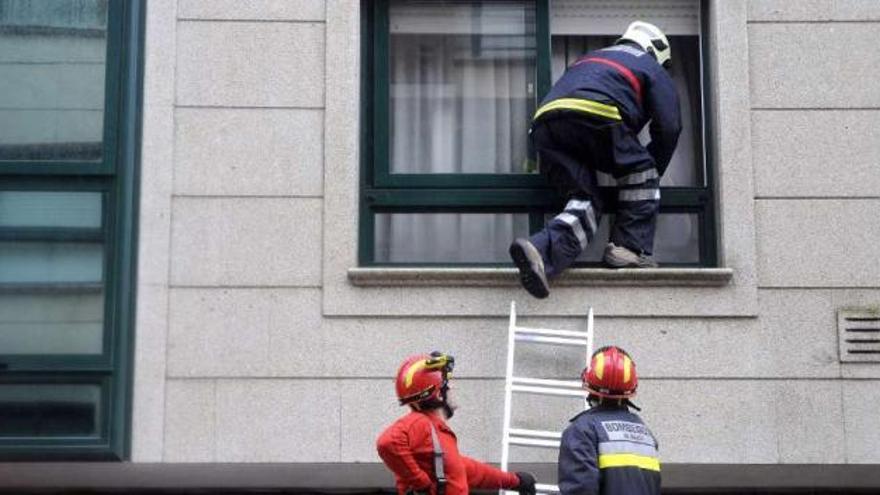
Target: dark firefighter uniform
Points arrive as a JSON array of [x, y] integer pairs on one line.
[[608, 450], [407, 449], [585, 135]]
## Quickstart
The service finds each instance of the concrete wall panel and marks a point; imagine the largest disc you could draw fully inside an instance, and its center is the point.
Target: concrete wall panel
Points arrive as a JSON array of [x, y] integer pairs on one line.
[[809, 418], [814, 10], [860, 399], [250, 64], [209, 325], [246, 242], [249, 152], [246, 332], [257, 10], [782, 77], [277, 421], [816, 153], [819, 243], [190, 427]]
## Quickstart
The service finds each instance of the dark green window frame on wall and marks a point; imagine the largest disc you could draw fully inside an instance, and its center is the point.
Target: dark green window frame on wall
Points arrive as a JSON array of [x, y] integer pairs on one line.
[[385, 192], [58, 403]]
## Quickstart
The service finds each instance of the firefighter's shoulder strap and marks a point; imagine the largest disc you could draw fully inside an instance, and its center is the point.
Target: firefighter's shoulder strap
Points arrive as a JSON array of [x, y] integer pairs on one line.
[[438, 462]]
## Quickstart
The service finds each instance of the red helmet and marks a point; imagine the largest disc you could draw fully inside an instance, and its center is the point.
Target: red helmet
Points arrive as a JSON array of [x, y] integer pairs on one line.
[[611, 374], [422, 379]]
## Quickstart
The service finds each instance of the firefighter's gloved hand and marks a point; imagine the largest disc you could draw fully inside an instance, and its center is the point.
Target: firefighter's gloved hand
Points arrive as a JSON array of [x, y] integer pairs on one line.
[[526, 483]]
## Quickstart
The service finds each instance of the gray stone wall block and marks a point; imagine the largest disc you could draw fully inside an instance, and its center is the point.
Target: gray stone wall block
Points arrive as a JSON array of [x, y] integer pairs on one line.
[[797, 324], [256, 10], [298, 343], [246, 242], [729, 421], [154, 233], [190, 421], [814, 10], [249, 152], [809, 418], [148, 409], [818, 243], [250, 64], [278, 421], [367, 408], [776, 56], [862, 423], [245, 332], [819, 153]]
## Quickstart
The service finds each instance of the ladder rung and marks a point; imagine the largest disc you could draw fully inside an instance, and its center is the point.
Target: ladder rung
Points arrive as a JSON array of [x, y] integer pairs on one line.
[[540, 339], [534, 442], [548, 391], [539, 488], [543, 488], [535, 433], [519, 380], [550, 333]]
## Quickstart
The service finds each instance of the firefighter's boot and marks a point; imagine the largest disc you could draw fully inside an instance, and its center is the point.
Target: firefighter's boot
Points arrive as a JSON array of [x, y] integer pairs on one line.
[[621, 257], [531, 268]]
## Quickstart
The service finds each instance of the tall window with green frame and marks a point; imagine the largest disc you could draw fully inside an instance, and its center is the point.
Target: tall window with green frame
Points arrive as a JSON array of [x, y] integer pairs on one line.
[[449, 90], [69, 97]]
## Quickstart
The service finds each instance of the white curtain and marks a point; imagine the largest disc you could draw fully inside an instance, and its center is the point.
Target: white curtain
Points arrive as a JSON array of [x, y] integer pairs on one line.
[[461, 93]]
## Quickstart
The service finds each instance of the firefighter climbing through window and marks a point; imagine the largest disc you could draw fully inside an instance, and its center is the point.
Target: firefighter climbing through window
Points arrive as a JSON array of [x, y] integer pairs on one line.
[[607, 449], [585, 136], [420, 448]]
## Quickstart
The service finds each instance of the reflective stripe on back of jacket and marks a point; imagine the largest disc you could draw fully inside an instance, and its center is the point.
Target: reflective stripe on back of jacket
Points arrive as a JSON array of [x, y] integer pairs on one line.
[[608, 451]]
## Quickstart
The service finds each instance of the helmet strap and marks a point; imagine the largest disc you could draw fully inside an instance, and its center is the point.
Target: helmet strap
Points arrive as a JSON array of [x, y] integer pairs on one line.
[[446, 409]]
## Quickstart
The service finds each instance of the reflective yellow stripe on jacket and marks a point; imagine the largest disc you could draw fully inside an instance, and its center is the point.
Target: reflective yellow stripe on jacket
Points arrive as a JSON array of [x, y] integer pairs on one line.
[[629, 460], [587, 106]]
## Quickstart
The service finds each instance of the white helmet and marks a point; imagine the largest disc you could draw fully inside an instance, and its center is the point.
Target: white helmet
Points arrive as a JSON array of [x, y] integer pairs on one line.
[[651, 38]]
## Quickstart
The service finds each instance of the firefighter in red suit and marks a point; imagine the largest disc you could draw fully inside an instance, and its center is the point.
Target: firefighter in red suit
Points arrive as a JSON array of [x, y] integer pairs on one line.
[[420, 448]]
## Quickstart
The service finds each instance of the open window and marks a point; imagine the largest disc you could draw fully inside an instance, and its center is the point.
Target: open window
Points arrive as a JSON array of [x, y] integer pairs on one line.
[[450, 88]]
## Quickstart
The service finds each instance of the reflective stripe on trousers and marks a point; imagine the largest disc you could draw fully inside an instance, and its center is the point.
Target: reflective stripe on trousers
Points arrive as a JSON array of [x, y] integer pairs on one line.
[[581, 219]]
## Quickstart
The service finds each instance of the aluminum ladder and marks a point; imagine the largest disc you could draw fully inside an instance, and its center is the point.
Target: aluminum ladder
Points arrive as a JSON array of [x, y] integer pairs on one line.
[[522, 385]]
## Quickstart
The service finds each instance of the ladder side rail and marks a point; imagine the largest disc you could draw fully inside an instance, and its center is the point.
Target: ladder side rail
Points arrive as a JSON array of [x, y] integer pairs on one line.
[[508, 386]]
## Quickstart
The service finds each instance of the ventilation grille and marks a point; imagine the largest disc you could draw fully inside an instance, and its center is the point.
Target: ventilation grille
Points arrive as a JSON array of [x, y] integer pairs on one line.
[[858, 332]]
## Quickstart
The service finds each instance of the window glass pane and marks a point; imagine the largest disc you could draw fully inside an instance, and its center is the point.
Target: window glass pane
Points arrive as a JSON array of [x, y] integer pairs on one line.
[[51, 273], [50, 209], [52, 64], [447, 237], [677, 239], [462, 82], [687, 167], [50, 263], [49, 410]]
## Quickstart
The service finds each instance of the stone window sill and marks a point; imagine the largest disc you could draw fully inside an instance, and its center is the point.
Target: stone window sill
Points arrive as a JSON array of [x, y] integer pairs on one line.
[[507, 277]]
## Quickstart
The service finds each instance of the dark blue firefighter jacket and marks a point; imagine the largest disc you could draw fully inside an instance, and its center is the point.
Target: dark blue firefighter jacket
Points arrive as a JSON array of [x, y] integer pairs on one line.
[[608, 450], [631, 79]]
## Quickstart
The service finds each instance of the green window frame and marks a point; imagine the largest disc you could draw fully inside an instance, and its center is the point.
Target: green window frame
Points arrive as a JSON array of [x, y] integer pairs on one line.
[[114, 178], [384, 192]]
